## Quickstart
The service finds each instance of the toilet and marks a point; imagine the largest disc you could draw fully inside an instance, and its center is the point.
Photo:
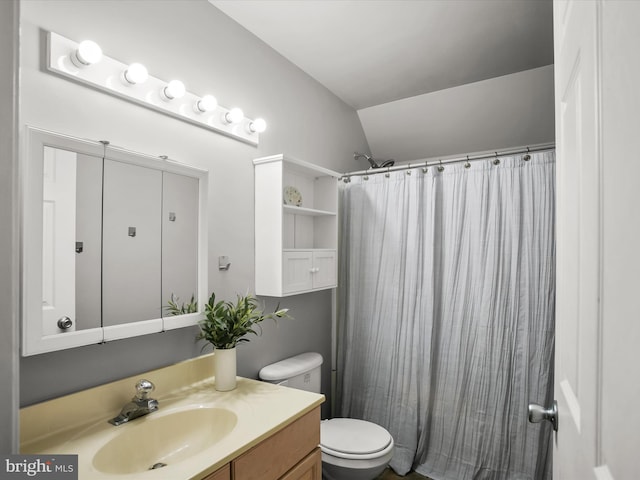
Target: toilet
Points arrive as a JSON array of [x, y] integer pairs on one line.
[[351, 449]]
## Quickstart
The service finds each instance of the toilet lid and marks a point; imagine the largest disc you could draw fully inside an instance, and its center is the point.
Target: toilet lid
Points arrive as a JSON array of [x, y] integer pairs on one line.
[[358, 437]]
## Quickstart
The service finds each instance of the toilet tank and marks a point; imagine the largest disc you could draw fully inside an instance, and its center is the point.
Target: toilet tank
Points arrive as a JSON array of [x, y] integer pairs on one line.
[[301, 371]]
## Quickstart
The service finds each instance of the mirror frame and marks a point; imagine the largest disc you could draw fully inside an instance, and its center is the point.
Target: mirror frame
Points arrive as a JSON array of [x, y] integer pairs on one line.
[[33, 339]]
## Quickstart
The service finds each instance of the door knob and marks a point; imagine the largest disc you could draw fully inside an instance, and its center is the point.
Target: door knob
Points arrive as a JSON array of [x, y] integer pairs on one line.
[[537, 413], [65, 323]]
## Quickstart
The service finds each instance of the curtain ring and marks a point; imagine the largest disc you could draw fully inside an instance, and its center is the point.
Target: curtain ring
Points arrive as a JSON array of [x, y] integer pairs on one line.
[[440, 167]]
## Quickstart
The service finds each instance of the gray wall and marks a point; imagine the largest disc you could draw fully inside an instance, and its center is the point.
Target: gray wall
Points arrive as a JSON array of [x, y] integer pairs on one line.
[[509, 111], [9, 12], [195, 42]]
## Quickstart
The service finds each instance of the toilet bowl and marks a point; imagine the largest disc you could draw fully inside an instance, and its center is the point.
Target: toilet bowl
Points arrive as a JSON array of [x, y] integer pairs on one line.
[[351, 449], [354, 449]]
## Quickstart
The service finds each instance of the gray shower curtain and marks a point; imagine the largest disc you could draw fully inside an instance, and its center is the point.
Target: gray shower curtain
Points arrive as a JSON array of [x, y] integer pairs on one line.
[[446, 314]]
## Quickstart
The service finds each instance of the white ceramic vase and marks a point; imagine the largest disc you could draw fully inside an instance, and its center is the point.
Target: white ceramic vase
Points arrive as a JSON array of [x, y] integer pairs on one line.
[[225, 369]]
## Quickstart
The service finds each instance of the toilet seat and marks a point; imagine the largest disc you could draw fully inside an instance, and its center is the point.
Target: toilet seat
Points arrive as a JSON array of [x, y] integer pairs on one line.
[[354, 439]]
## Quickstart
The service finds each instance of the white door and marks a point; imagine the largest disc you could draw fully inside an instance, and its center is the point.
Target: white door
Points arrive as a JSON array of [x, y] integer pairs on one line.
[[59, 237], [598, 263]]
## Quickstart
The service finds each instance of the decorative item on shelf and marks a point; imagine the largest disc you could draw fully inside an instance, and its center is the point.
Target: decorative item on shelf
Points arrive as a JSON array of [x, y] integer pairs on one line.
[[292, 196], [225, 326], [174, 307]]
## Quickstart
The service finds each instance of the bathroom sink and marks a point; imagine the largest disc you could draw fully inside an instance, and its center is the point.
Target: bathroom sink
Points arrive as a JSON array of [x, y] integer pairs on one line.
[[159, 440]]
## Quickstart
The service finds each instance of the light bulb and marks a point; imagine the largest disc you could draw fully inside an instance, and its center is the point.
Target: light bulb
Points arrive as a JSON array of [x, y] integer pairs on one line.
[[235, 115], [87, 53], [258, 126], [136, 73], [207, 103], [174, 89]]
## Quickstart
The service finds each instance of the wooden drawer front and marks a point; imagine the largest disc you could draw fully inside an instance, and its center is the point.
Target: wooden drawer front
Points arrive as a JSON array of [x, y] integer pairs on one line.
[[223, 473], [276, 455], [308, 469]]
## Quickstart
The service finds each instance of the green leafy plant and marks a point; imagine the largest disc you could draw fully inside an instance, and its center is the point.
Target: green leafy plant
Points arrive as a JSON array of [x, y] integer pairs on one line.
[[226, 323], [175, 308]]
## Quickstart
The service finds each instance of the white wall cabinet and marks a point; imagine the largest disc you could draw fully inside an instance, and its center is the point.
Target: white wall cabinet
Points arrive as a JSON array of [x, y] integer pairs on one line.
[[296, 226]]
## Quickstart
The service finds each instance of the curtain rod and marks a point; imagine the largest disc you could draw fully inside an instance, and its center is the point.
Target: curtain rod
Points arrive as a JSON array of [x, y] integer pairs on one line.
[[466, 158]]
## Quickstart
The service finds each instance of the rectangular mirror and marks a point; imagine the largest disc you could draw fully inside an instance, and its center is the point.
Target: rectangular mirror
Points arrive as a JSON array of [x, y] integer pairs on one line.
[[114, 243]]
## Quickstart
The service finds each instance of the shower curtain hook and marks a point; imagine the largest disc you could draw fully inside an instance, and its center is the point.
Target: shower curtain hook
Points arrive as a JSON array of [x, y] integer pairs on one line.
[[387, 174], [467, 165], [497, 160], [425, 169], [440, 167], [409, 169]]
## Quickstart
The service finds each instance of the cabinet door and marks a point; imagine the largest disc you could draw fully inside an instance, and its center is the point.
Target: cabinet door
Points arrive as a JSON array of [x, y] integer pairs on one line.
[[308, 469], [282, 452], [324, 269], [131, 243], [297, 271], [223, 473]]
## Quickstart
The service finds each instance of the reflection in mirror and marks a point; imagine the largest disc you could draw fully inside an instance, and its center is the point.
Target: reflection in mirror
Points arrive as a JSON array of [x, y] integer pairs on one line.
[[179, 244], [112, 239], [71, 241], [131, 264]]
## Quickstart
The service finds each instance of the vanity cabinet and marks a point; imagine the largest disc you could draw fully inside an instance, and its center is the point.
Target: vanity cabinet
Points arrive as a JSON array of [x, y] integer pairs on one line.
[[223, 473], [290, 454], [296, 226]]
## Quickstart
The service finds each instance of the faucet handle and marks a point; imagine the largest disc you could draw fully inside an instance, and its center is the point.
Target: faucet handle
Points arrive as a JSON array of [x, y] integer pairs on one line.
[[143, 388]]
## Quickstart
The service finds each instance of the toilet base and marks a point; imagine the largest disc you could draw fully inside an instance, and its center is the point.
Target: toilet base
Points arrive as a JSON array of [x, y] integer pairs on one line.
[[334, 468], [332, 472]]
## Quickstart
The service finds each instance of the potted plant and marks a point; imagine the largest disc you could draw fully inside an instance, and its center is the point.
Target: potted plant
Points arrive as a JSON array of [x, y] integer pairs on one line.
[[225, 325]]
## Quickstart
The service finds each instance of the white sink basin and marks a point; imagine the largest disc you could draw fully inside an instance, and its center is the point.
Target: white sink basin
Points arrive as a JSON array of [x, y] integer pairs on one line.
[[159, 440]]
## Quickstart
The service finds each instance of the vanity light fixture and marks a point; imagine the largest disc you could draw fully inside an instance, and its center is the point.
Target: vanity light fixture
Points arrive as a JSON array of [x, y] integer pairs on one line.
[[208, 103], [132, 82], [174, 89], [87, 53], [235, 115], [259, 125], [135, 73]]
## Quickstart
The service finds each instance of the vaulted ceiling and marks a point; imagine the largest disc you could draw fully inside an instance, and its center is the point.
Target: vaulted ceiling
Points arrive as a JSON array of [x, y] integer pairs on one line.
[[371, 52]]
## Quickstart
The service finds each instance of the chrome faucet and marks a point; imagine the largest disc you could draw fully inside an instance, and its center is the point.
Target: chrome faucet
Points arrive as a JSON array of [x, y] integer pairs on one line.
[[139, 405]]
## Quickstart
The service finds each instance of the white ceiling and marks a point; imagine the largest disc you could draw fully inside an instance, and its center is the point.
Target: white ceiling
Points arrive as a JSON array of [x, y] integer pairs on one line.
[[370, 52]]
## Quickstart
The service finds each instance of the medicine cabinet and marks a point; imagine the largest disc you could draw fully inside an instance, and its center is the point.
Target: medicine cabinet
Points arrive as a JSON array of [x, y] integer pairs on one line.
[[110, 239], [296, 226]]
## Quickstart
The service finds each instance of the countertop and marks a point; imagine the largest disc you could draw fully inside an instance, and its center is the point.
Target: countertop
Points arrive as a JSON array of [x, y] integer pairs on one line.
[[77, 424]]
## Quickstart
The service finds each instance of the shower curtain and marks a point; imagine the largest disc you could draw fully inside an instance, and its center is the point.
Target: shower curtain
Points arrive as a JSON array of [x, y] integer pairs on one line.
[[446, 314]]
